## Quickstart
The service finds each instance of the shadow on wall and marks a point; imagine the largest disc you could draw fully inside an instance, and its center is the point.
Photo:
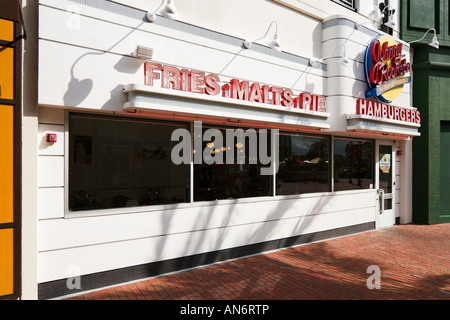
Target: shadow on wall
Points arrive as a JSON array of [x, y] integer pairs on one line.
[[78, 90]]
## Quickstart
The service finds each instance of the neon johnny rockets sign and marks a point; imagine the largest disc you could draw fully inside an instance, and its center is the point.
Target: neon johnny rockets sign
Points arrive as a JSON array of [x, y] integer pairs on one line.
[[385, 69], [170, 77]]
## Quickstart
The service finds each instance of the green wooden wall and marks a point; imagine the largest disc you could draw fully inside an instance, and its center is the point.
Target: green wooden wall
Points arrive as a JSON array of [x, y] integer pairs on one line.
[[431, 95]]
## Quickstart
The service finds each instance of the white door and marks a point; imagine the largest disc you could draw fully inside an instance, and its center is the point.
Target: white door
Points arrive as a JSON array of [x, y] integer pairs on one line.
[[385, 183]]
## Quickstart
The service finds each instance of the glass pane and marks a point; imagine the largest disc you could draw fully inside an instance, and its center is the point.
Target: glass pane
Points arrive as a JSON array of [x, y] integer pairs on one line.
[[385, 171], [353, 165], [118, 163], [304, 165], [387, 204], [231, 170]]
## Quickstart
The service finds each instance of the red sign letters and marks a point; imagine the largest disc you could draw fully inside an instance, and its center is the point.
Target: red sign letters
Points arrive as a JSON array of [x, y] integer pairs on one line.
[[171, 77]]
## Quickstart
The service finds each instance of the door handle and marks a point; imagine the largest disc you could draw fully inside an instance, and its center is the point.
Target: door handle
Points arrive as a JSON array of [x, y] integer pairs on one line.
[[381, 198]]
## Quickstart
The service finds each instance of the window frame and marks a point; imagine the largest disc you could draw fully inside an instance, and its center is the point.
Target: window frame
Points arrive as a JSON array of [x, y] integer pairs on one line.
[[345, 4]]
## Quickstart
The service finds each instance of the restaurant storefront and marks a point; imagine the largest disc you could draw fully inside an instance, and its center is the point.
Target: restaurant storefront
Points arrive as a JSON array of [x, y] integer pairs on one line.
[[168, 144]]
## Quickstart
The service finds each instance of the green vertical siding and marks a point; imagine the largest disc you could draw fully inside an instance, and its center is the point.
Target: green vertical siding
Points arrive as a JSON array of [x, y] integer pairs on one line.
[[431, 95]]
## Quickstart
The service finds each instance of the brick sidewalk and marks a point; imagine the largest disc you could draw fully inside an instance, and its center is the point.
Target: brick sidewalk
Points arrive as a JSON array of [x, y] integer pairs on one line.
[[414, 261]]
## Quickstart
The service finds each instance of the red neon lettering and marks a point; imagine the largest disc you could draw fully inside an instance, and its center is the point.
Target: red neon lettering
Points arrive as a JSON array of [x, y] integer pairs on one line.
[[255, 93], [296, 102], [391, 112], [171, 76], [276, 95], [402, 114], [185, 80], [413, 116], [197, 81], [377, 109], [418, 119], [265, 91], [287, 101], [305, 101], [361, 106], [212, 87], [375, 51], [396, 113], [321, 104], [380, 71], [149, 73], [239, 89], [225, 90], [369, 108]]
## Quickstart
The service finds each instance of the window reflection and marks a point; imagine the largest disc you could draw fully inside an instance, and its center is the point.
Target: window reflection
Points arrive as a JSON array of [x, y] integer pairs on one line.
[[118, 163], [353, 164], [239, 178], [304, 165]]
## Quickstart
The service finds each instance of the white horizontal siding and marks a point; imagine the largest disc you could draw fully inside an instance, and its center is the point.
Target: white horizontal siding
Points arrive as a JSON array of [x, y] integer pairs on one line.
[[123, 240], [50, 171], [241, 19], [87, 66], [50, 203]]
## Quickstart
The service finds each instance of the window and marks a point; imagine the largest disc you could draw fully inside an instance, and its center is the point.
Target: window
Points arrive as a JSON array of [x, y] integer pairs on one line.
[[353, 164], [239, 178], [304, 164], [122, 162], [346, 3], [116, 162]]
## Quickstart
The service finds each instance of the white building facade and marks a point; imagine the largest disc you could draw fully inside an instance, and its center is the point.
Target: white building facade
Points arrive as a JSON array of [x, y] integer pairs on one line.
[[109, 203]]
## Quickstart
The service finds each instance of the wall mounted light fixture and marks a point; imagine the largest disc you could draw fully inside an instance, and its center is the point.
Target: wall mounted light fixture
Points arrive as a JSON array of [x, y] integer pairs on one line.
[[170, 11], [390, 12], [385, 9], [434, 43], [342, 58], [274, 44], [144, 52]]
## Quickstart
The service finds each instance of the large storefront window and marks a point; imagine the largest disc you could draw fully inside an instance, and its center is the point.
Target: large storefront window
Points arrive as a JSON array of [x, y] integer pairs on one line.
[[220, 176], [118, 163], [304, 165], [353, 164], [122, 162]]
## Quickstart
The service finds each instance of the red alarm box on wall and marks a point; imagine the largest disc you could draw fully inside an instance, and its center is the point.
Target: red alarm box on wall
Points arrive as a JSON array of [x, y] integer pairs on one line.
[[51, 137]]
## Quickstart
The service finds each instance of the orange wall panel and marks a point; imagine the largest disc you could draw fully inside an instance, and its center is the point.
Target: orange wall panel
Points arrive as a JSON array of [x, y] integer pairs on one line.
[[6, 30], [6, 262], [6, 164], [7, 73]]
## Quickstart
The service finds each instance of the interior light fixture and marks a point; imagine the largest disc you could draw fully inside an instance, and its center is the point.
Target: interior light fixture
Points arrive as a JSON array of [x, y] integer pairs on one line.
[[434, 43], [170, 11], [274, 44]]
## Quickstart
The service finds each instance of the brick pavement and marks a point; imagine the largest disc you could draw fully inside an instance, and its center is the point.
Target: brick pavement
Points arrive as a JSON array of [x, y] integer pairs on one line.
[[414, 262]]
